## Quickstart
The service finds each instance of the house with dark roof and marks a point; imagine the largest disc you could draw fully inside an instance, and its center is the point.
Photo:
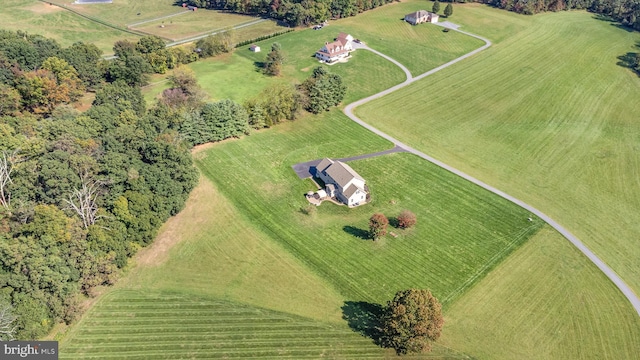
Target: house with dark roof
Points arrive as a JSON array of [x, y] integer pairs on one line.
[[334, 51], [342, 182], [421, 16]]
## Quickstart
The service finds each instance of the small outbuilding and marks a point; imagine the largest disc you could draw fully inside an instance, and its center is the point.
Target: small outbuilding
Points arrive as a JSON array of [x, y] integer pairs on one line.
[[254, 48]]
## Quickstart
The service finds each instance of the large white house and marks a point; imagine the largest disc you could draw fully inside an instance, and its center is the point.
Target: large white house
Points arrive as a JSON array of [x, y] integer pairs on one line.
[[336, 50], [342, 182], [421, 16]]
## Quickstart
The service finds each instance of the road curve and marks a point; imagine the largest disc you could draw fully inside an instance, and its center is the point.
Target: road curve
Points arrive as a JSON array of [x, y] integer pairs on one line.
[[348, 110]]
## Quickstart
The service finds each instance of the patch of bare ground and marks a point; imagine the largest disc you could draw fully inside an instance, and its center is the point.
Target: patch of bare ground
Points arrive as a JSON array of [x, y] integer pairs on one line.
[[171, 232], [43, 8]]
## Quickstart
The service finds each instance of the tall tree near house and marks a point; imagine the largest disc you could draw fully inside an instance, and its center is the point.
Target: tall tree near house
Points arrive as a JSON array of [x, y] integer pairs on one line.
[[436, 7], [448, 10], [412, 321], [378, 226]]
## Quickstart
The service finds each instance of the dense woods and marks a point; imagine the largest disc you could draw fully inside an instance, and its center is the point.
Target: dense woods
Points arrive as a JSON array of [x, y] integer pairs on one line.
[[294, 12], [79, 192]]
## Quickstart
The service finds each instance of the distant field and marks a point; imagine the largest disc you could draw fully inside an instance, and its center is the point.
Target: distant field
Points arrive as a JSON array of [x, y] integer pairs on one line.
[[126, 12], [546, 301], [192, 24], [220, 76], [36, 17], [546, 116]]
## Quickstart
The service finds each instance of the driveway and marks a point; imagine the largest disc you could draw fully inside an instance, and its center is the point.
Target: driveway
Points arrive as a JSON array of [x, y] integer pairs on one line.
[[303, 170]]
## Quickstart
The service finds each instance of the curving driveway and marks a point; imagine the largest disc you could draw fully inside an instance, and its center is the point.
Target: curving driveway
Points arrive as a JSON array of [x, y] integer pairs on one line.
[[348, 110]]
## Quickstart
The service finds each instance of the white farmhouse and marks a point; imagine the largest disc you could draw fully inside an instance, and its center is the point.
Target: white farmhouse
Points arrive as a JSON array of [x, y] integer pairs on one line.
[[336, 50], [421, 16], [342, 182]]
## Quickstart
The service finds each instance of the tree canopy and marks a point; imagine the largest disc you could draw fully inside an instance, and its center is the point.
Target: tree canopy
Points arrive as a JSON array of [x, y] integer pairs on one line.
[[412, 321]]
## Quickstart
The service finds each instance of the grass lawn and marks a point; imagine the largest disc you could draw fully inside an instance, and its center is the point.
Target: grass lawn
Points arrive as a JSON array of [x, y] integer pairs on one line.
[[192, 24], [463, 233], [546, 301], [36, 17], [545, 115], [237, 77], [125, 12]]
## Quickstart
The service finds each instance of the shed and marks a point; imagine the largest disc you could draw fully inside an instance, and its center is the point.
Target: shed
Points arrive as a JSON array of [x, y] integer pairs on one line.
[[254, 48]]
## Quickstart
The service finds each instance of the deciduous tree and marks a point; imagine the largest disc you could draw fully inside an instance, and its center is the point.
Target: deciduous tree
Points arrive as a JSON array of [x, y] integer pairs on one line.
[[412, 321], [406, 219], [378, 226]]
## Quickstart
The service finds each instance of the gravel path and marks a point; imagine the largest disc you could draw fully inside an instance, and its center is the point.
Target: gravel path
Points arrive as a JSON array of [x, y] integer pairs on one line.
[[348, 110]]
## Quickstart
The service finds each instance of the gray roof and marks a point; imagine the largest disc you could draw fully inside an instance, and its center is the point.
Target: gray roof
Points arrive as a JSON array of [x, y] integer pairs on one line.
[[418, 14], [322, 165], [342, 173], [350, 191]]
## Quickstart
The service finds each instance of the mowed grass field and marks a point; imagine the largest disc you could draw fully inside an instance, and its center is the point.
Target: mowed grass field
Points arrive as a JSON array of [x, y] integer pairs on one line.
[[546, 301], [220, 282], [545, 115], [193, 23], [35, 17]]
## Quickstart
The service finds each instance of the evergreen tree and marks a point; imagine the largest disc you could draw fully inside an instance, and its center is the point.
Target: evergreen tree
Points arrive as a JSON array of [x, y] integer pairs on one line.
[[448, 10], [436, 7]]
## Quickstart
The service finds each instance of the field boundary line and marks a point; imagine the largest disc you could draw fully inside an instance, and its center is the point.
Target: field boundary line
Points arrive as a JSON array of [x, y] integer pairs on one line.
[[348, 110], [158, 18], [91, 18]]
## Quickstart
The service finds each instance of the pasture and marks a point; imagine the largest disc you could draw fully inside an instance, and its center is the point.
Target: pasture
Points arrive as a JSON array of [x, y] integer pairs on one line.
[[546, 301], [35, 17], [545, 115]]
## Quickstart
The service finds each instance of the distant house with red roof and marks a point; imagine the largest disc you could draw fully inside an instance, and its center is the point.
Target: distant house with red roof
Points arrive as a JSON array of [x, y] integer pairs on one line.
[[334, 51]]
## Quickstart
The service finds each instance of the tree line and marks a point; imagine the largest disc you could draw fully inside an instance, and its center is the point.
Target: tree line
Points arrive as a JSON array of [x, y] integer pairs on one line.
[[294, 12], [80, 192]]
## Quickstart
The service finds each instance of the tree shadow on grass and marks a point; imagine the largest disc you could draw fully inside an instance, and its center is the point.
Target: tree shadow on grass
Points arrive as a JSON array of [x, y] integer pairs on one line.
[[259, 66], [364, 318], [630, 60], [359, 233]]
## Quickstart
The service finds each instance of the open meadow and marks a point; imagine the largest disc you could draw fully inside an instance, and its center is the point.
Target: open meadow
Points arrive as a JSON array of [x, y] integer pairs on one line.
[[547, 116], [36, 17]]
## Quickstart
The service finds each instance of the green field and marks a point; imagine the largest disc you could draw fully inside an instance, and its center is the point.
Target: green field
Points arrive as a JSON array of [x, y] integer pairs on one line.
[[547, 301], [125, 12], [549, 120], [36, 17], [192, 24]]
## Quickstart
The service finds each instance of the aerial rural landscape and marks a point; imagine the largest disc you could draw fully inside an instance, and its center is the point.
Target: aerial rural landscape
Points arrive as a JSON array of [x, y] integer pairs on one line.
[[321, 179]]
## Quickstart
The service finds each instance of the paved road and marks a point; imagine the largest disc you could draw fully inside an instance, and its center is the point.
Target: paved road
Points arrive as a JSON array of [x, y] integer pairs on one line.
[[348, 110]]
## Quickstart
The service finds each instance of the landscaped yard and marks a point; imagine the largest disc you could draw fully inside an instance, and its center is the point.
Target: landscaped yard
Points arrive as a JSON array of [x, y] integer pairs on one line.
[[546, 116]]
